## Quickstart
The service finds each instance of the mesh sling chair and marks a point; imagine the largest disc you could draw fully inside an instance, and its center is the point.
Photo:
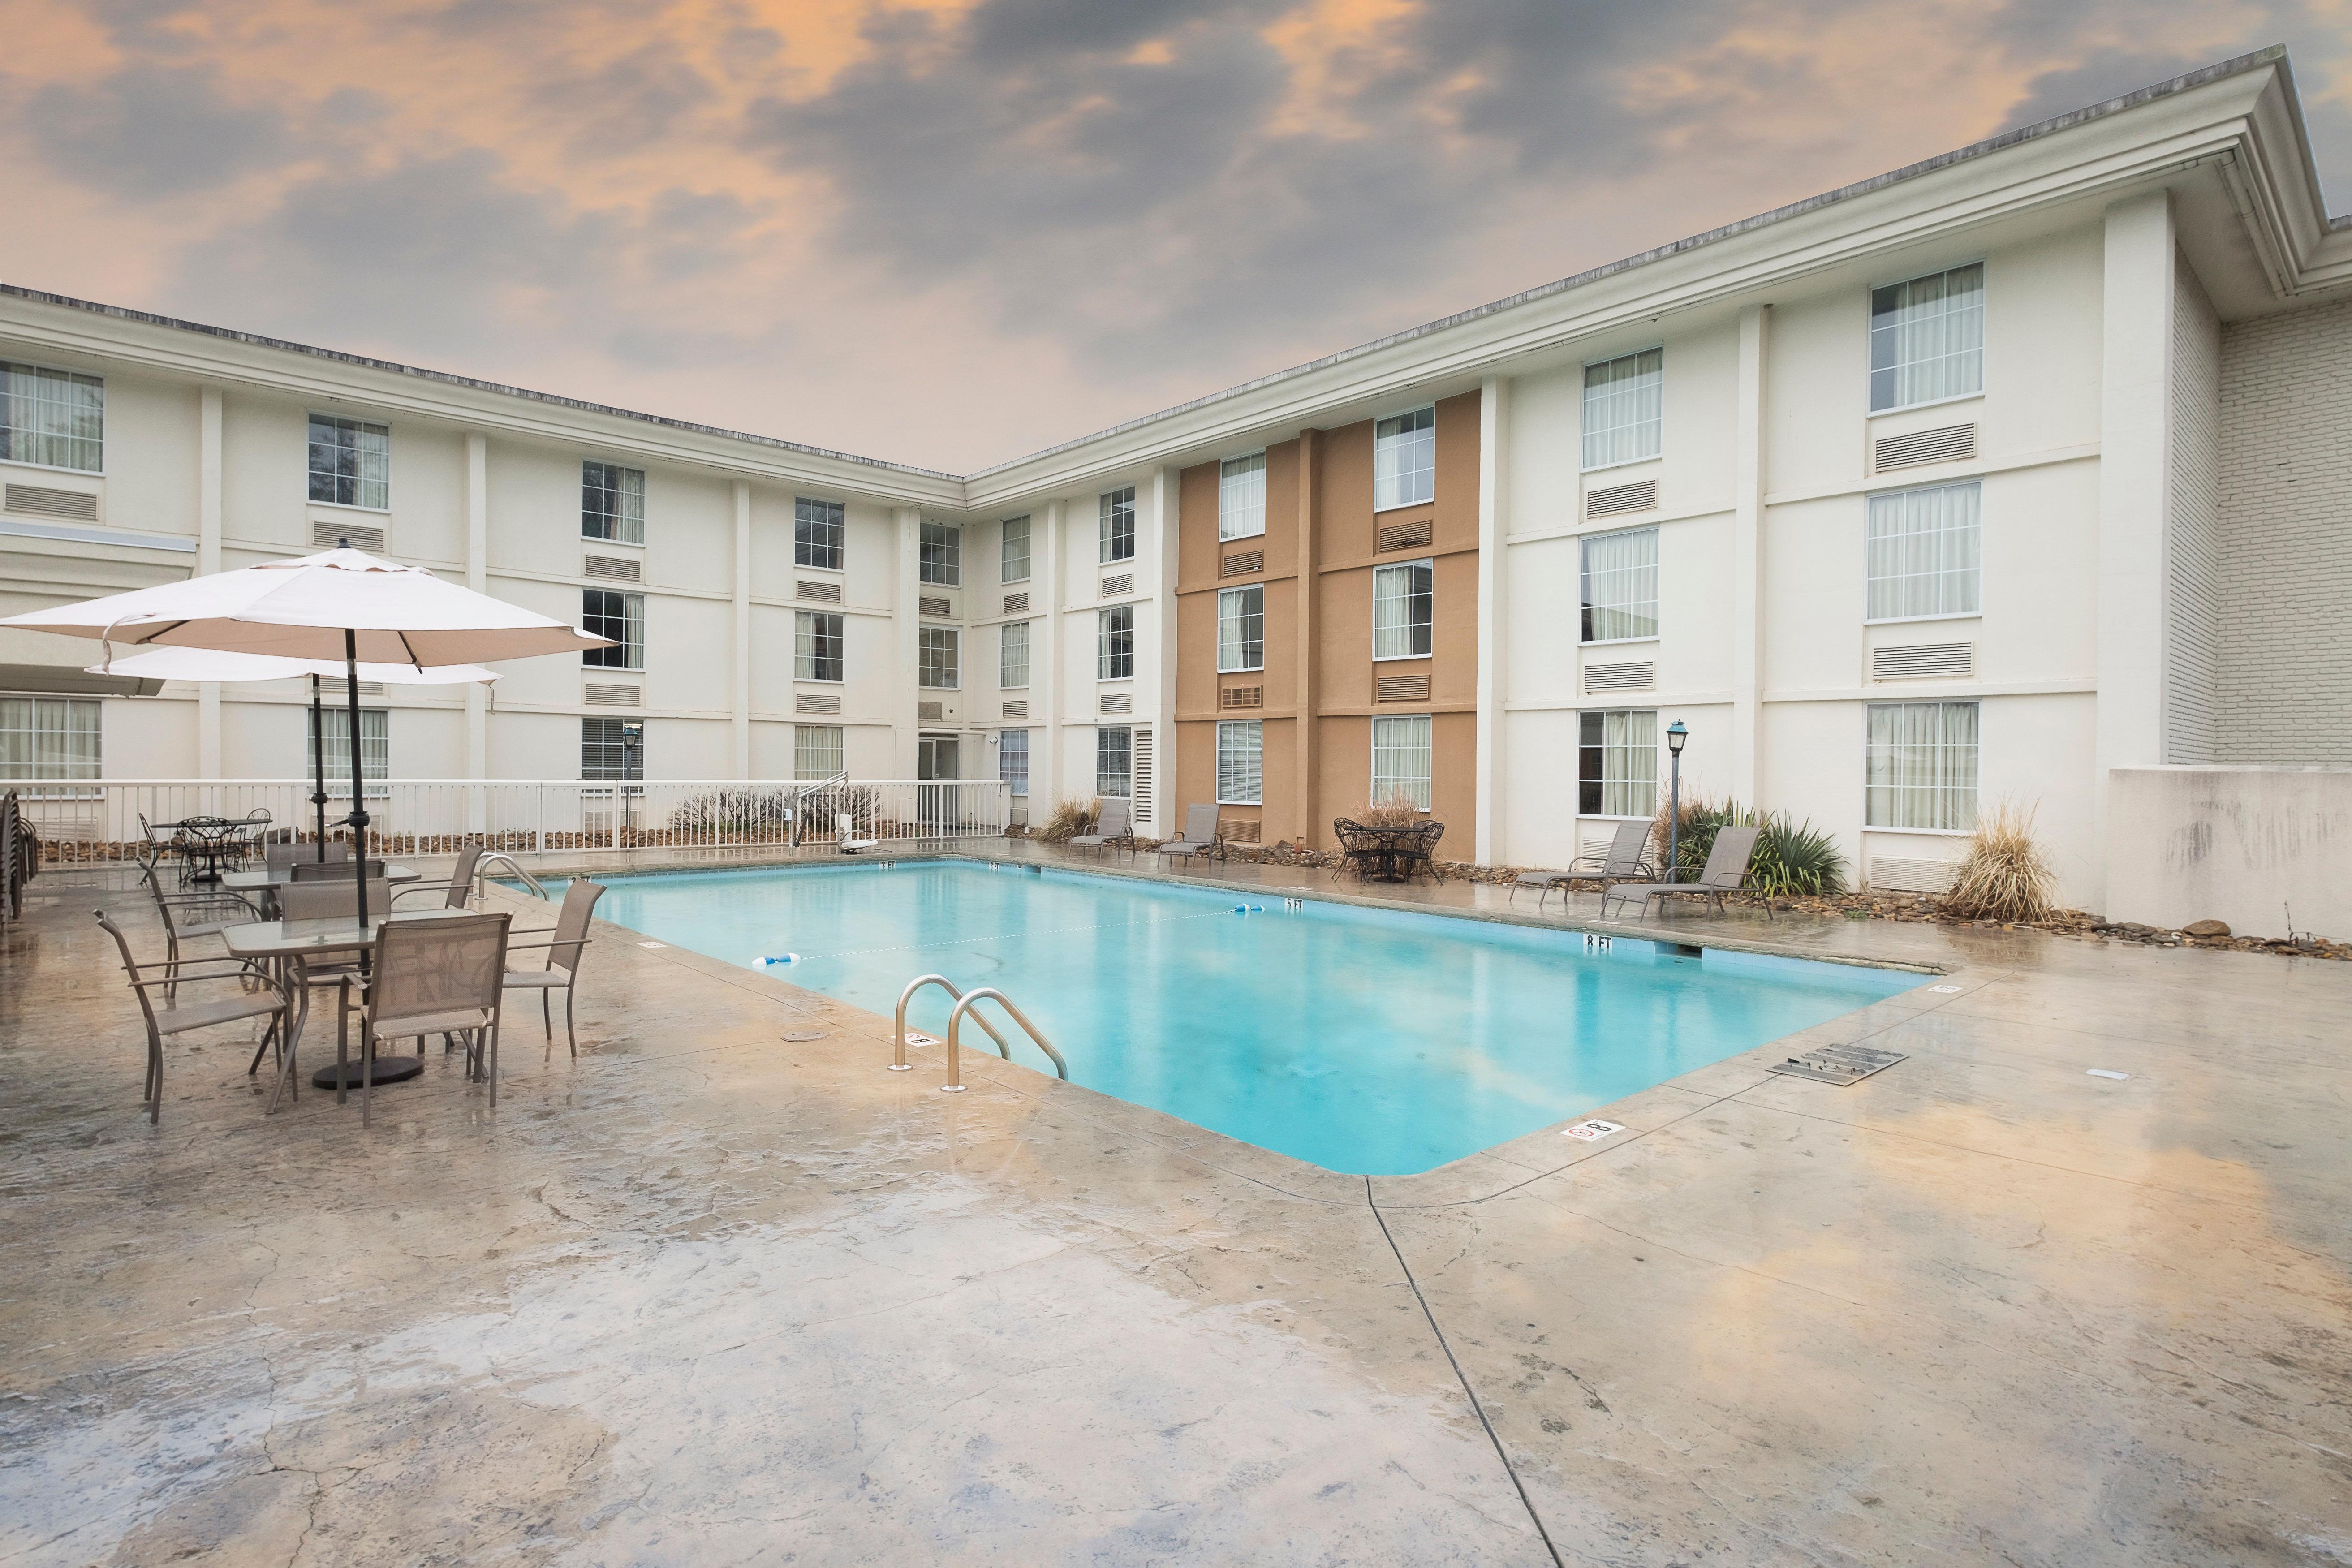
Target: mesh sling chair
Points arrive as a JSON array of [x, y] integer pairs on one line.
[[279, 857], [269, 1002], [187, 916], [563, 970], [332, 871], [1111, 828], [1623, 863], [459, 887], [1725, 872], [434, 977]]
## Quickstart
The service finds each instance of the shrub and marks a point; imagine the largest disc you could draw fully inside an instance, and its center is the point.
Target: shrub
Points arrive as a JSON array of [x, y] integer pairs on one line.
[[732, 811], [1393, 809], [1700, 819], [2004, 874], [1069, 819], [1790, 859]]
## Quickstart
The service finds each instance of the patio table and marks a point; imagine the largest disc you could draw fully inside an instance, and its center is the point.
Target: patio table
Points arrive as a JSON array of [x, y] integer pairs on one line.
[[268, 881], [205, 838], [289, 944]]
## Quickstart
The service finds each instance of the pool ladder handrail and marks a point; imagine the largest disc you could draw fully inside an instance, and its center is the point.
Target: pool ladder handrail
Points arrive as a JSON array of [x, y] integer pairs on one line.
[[898, 1062], [482, 873], [955, 1084]]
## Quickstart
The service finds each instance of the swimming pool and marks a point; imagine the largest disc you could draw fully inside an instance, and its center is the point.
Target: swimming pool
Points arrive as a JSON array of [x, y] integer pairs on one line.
[[1369, 1041]]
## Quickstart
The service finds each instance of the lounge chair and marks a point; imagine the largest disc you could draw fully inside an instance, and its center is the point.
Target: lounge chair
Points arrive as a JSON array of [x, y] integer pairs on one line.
[[844, 837], [1200, 835], [1112, 829], [268, 1002], [1624, 863], [563, 970], [1725, 872]]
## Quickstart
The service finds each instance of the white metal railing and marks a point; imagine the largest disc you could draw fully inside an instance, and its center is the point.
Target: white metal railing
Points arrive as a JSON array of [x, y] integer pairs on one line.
[[98, 821]]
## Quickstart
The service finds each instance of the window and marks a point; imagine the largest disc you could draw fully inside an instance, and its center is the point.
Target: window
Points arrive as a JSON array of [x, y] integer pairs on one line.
[[1241, 497], [1115, 643], [350, 463], [1624, 403], [375, 749], [1240, 763], [1400, 759], [1617, 764], [1013, 760], [818, 532], [1620, 586], [1922, 553], [817, 644], [938, 663], [1115, 762], [1400, 605], [612, 749], [817, 752], [1404, 459], [44, 738], [1118, 525], [1921, 771], [52, 417], [1013, 654], [942, 555], [1014, 561], [622, 617], [612, 503], [1927, 338], [1241, 628]]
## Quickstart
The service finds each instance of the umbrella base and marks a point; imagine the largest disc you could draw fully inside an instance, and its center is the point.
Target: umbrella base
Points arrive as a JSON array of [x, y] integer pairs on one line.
[[388, 1070]]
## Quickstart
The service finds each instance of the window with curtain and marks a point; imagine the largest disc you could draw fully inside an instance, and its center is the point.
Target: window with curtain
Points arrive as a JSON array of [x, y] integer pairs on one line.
[[820, 533], [940, 558], [1241, 497], [939, 659], [1401, 610], [1404, 459], [45, 739], [622, 617], [1013, 760], [1922, 767], [817, 752], [375, 749], [612, 503], [1115, 760], [817, 644], [1620, 585], [1014, 561], [1013, 654], [1241, 628], [1400, 759], [1624, 408], [351, 462], [1115, 643], [1617, 763], [1922, 553], [52, 417], [1927, 338], [1241, 761], [1118, 525], [612, 749]]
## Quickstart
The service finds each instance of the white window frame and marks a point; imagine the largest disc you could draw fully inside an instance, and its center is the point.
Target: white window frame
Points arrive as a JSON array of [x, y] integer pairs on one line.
[[1017, 787], [1584, 598], [74, 377], [1229, 730], [808, 658], [1103, 732], [931, 641], [939, 548], [1241, 497], [631, 653], [334, 721], [1381, 785], [1624, 745], [1027, 536], [824, 748], [1974, 573], [1872, 752], [1585, 405], [1005, 671], [1396, 498], [608, 725], [1870, 354], [1384, 574], [77, 720], [1113, 504], [1107, 653], [1230, 656], [308, 473], [805, 524], [627, 530]]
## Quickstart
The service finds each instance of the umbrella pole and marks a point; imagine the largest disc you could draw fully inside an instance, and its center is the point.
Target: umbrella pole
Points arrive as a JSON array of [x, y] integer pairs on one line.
[[358, 817], [319, 766]]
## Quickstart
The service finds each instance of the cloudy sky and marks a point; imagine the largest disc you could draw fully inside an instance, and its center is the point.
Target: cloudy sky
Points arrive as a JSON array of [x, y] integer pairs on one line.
[[948, 232]]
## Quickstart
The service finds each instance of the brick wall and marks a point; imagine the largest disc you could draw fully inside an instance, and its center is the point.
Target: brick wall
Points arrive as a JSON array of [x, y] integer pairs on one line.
[[2284, 680], [2193, 589]]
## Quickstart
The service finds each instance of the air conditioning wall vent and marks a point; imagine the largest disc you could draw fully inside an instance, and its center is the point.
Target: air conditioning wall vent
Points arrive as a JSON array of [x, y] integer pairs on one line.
[[1017, 708], [1924, 661], [1952, 443], [1242, 562], [1639, 676], [824, 592], [1118, 703], [816, 702], [1402, 536], [930, 712], [327, 531], [1015, 604], [611, 694], [1242, 696], [41, 501], [931, 607], [1122, 583], [1402, 688], [1641, 497], [627, 569]]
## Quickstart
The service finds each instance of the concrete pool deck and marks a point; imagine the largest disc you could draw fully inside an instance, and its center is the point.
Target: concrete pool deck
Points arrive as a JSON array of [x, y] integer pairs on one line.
[[706, 1296]]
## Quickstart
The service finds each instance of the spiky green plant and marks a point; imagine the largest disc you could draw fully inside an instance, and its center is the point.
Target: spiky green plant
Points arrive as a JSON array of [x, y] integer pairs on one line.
[[1795, 858]]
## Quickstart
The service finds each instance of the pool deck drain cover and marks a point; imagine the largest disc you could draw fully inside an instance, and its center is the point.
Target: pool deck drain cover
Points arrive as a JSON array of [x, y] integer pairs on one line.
[[797, 1036], [1838, 1064]]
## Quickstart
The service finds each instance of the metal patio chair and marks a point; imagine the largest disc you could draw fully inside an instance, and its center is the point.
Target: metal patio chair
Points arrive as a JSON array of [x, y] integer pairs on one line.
[[270, 1001], [563, 970], [1725, 872], [434, 977]]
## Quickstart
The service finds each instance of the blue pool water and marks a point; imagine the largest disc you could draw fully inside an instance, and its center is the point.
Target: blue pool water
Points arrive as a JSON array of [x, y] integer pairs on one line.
[[1363, 1040]]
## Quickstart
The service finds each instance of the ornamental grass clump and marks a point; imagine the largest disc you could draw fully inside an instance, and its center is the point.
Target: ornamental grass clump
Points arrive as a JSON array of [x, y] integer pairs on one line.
[[1393, 808], [2004, 874], [1069, 819]]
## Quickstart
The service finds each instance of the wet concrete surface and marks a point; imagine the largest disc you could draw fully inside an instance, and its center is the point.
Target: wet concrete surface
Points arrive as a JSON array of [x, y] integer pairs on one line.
[[705, 1295]]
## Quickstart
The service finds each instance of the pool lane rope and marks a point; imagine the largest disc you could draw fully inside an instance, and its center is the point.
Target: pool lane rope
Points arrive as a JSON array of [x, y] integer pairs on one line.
[[1012, 935]]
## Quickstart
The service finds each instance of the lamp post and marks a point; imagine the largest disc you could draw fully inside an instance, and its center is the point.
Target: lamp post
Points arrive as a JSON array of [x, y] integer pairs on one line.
[[1677, 733]]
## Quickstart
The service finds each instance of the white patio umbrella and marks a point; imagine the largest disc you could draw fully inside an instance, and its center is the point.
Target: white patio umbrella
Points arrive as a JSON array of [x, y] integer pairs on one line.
[[238, 669], [342, 605]]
